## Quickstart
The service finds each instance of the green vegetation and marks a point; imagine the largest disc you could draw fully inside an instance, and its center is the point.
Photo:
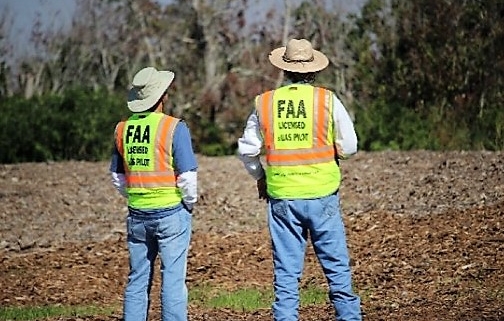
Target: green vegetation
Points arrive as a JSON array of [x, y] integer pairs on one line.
[[77, 125], [243, 299], [37, 313], [205, 296], [250, 299], [427, 76]]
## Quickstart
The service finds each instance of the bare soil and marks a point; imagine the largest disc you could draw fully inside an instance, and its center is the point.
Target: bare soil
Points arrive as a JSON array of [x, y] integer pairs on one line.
[[425, 233]]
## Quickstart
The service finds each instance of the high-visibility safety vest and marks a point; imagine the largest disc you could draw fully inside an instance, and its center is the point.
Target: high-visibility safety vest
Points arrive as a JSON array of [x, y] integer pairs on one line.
[[297, 127], [145, 143]]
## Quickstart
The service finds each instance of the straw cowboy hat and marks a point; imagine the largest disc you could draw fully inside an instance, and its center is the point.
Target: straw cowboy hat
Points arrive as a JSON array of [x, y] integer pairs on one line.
[[298, 56], [148, 86]]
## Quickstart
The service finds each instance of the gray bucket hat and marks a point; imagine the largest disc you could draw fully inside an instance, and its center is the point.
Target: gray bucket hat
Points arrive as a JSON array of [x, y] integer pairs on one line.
[[148, 85]]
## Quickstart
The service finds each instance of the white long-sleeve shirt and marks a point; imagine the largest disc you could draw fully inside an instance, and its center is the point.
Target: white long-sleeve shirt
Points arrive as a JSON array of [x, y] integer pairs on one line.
[[251, 142]]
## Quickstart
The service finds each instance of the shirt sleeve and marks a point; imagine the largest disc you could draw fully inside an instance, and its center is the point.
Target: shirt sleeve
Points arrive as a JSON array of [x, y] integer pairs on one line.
[[249, 147], [183, 153], [187, 183], [119, 182], [117, 172], [116, 163], [346, 138], [186, 165]]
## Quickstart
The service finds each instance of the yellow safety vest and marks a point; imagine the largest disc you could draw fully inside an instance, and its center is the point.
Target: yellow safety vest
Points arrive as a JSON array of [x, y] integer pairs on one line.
[[297, 127], [145, 143]]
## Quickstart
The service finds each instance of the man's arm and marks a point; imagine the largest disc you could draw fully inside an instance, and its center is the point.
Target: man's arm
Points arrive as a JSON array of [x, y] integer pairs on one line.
[[346, 138], [186, 165], [117, 172], [249, 148]]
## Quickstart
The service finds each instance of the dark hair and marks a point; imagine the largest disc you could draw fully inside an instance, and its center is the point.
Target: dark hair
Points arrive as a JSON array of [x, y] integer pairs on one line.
[[296, 77], [151, 110]]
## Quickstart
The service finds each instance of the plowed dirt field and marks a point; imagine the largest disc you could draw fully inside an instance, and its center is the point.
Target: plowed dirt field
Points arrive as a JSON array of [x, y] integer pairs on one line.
[[425, 233]]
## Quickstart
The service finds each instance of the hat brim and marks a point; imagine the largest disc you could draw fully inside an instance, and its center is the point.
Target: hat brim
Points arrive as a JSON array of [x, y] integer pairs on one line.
[[319, 62], [138, 105]]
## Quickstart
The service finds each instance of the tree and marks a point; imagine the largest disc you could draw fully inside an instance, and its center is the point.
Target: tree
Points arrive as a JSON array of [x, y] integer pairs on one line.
[[327, 30], [5, 54], [434, 61]]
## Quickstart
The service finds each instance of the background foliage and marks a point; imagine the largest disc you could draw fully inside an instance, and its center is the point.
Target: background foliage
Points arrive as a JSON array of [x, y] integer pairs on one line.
[[77, 124], [419, 74]]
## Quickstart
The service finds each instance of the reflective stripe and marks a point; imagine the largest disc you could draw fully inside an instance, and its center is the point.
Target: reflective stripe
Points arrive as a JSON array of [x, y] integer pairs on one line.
[[301, 156], [151, 179], [265, 115], [164, 145], [322, 98]]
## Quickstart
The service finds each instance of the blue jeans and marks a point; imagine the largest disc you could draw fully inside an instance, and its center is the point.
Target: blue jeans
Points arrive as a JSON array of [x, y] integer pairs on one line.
[[290, 223], [150, 235]]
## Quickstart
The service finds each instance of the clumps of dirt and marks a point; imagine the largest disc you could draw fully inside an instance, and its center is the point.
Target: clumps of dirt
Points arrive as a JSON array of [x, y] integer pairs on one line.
[[424, 233]]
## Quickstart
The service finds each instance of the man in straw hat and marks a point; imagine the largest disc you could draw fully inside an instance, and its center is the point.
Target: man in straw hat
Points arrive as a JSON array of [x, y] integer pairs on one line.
[[154, 166], [304, 130]]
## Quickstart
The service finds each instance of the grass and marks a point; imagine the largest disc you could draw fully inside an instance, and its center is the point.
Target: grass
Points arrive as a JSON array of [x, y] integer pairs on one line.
[[249, 299], [36, 313]]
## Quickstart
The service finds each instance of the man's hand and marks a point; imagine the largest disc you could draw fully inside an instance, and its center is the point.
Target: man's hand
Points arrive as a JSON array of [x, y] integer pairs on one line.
[[261, 188], [339, 151], [188, 208]]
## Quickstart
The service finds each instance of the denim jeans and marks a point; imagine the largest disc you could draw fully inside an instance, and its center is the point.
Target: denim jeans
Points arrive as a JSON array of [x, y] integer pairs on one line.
[[290, 222], [166, 235]]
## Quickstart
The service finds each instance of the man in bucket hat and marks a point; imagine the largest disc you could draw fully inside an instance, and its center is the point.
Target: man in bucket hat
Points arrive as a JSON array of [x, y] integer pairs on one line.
[[304, 130], [154, 166]]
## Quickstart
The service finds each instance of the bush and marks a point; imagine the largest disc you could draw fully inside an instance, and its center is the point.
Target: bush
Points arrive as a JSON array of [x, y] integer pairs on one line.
[[78, 125]]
